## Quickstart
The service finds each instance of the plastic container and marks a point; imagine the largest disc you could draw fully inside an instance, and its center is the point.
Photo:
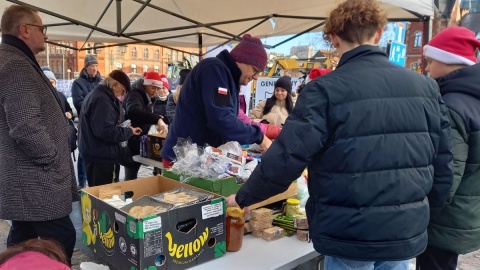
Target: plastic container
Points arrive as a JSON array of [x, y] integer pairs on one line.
[[292, 208], [235, 223]]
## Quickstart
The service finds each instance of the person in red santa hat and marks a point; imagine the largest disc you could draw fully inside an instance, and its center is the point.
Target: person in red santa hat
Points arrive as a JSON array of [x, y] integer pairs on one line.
[[314, 73], [160, 99], [451, 62], [140, 110]]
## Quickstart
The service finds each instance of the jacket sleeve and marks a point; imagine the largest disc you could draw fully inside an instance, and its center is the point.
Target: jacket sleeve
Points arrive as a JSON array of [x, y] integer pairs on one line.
[[67, 107], [442, 164], [220, 110], [136, 112], [304, 135], [460, 148], [170, 108], [78, 95], [257, 112], [102, 119]]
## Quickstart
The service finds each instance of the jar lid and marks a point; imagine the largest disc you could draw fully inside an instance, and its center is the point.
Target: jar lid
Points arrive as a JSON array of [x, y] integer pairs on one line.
[[293, 201]]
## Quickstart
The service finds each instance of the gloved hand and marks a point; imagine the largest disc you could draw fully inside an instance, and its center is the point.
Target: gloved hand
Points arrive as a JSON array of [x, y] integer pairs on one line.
[[272, 131]]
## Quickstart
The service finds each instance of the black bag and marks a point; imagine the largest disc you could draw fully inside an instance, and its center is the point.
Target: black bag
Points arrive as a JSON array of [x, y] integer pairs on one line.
[[124, 153], [72, 135]]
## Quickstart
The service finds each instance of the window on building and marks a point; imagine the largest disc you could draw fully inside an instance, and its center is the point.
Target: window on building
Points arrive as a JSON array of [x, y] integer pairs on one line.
[[156, 55], [156, 68], [134, 53], [71, 46], [134, 68], [57, 50], [145, 68], [174, 57], [88, 49], [417, 42], [180, 56], [145, 53], [59, 68]]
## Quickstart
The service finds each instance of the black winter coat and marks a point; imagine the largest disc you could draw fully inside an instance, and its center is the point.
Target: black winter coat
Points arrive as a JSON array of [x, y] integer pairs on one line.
[[139, 110], [82, 86], [160, 108], [375, 138], [99, 134]]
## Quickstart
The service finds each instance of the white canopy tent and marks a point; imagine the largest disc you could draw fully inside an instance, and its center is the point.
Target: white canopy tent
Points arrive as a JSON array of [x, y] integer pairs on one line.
[[193, 23]]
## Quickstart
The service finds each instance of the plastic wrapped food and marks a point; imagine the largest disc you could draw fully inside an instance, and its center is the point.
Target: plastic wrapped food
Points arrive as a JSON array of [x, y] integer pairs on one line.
[[182, 197], [261, 213], [272, 233]]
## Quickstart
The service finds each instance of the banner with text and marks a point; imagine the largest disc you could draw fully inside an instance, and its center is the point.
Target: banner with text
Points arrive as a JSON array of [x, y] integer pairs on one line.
[[266, 87]]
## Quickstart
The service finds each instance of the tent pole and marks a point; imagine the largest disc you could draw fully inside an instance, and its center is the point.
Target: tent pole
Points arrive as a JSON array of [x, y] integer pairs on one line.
[[200, 45], [427, 35], [119, 16]]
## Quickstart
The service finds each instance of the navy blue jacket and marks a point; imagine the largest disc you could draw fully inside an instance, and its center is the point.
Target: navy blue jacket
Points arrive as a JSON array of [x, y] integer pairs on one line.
[[375, 138], [98, 132], [205, 112], [82, 86]]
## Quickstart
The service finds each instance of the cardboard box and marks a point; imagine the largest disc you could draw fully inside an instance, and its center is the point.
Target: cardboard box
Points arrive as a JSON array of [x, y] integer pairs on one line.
[[154, 145], [153, 242], [229, 186]]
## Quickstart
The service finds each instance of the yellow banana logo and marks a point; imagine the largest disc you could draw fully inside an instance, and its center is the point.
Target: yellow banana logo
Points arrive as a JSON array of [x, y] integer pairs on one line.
[[108, 241], [186, 250]]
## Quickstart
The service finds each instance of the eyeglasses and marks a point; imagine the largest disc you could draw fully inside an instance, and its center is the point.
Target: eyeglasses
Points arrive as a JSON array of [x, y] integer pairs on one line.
[[44, 28], [257, 70]]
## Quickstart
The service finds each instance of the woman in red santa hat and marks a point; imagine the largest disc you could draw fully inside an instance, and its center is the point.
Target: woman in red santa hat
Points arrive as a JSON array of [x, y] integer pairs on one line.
[[314, 73], [139, 109], [451, 62]]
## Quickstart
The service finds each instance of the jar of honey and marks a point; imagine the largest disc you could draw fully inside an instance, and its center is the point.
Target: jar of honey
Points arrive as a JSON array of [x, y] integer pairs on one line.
[[235, 225], [292, 207]]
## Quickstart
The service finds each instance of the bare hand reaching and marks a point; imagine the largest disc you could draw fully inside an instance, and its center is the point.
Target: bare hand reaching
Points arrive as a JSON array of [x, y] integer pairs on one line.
[[161, 126], [136, 130]]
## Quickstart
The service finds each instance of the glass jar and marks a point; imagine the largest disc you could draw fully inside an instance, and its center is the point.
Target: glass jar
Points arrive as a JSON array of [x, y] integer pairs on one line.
[[292, 208], [235, 222]]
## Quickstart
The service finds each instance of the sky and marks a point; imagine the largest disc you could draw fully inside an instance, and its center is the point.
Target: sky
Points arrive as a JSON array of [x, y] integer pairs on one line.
[[312, 38]]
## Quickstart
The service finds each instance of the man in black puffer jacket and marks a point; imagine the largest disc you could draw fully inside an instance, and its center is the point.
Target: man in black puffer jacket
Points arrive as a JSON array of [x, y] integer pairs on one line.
[[376, 140]]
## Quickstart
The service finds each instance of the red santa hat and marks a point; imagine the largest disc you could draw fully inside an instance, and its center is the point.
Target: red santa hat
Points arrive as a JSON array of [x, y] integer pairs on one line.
[[316, 72], [165, 81], [454, 45], [152, 78]]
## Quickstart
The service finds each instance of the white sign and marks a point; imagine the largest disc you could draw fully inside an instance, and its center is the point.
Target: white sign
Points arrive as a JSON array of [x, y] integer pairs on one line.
[[152, 224], [212, 210], [266, 87]]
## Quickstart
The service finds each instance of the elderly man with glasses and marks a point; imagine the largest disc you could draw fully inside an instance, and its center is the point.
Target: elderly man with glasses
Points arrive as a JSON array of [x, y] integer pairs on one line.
[[208, 105], [38, 183]]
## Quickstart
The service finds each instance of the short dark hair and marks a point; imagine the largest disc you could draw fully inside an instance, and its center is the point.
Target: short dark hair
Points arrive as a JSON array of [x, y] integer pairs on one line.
[[15, 15]]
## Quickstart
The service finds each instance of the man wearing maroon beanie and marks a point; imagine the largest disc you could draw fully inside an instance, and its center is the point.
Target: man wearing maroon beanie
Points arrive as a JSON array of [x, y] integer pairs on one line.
[[208, 105]]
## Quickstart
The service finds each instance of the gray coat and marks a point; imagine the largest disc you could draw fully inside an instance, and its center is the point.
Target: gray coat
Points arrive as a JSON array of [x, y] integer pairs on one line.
[[37, 180]]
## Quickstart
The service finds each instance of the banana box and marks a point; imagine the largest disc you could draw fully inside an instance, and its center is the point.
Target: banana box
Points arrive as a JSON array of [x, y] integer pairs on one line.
[[178, 238]]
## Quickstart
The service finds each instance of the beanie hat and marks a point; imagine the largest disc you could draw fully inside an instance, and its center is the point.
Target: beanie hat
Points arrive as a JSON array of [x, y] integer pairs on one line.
[[284, 82], [152, 78], [122, 78], [454, 45], [183, 75], [165, 82], [250, 51], [50, 75], [90, 60], [46, 68], [316, 72]]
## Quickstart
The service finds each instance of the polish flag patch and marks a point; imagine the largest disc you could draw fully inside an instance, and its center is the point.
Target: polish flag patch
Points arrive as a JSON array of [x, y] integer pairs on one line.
[[222, 91]]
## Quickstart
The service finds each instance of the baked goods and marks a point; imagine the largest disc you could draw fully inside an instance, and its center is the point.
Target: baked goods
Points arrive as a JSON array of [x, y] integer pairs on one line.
[[179, 198], [143, 211]]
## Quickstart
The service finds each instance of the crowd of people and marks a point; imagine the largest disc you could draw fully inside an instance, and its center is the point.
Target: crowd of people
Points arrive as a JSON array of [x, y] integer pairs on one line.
[[393, 155]]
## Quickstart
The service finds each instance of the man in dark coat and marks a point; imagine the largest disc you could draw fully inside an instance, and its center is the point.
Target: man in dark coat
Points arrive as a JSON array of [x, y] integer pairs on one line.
[[208, 105], [376, 140], [451, 62], [81, 87], [99, 130], [37, 183]]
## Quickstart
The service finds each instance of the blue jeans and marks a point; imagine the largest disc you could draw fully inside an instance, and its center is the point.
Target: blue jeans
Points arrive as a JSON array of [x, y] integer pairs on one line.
[[334, 263], [81, 171]]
